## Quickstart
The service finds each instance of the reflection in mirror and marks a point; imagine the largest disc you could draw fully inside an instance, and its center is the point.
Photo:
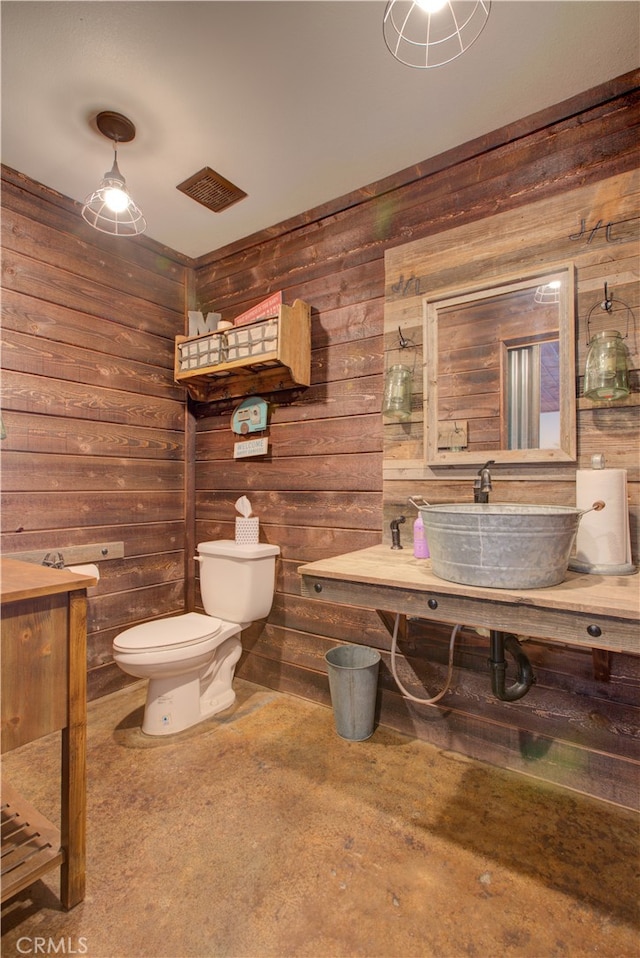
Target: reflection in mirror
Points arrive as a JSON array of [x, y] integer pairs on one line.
[[500, 371], [532, 399]]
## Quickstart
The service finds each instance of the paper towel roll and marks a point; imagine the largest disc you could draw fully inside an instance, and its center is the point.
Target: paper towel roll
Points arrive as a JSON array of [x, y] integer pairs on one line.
[[603, 537], [85, 570]]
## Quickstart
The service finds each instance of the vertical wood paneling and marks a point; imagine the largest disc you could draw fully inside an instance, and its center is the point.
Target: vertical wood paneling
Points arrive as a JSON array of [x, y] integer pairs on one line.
[[319, 491], [95, 437]]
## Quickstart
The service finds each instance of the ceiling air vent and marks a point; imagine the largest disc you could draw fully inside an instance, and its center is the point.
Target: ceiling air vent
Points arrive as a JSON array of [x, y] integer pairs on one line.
[[212, 190]]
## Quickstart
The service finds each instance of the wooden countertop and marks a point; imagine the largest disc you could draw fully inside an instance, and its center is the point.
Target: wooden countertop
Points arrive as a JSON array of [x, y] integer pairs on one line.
[[616, 597], [26, 580]]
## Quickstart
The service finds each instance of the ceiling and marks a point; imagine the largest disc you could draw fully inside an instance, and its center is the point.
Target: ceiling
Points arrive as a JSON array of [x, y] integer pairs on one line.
[[296, 102]]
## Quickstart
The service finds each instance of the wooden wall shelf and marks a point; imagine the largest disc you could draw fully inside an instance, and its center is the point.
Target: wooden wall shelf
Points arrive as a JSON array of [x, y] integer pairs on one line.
[[269, 356]]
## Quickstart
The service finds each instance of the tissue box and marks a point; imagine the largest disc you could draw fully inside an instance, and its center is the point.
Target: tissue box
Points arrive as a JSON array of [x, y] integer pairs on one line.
[[247, 530]]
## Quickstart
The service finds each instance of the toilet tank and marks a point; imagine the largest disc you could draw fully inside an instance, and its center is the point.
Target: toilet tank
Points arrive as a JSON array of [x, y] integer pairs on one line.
[[237, 581]]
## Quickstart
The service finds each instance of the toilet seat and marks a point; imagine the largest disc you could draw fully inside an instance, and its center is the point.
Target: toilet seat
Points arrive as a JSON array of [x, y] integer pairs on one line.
[[175, 632]]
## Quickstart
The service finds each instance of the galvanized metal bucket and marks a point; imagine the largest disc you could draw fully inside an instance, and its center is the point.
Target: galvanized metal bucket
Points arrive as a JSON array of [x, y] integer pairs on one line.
[[501, 546], [353, 684]]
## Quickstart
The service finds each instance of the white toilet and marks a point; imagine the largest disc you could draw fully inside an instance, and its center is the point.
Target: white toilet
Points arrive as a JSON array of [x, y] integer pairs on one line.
[[190, 659]]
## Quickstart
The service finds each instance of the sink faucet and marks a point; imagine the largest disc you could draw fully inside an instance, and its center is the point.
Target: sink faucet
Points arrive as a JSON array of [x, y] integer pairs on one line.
[[482, 485], [395, 532]]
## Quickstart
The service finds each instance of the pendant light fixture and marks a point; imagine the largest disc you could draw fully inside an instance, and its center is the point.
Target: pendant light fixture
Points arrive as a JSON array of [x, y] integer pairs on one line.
[[110, 208], [549, 293], [430, 33]]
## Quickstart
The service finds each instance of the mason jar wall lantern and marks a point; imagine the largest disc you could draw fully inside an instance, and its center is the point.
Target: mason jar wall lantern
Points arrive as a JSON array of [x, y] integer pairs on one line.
[[398, 385], [607, 365]]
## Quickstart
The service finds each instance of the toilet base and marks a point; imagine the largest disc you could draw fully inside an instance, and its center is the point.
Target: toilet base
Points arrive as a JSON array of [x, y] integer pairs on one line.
[[176, 703]]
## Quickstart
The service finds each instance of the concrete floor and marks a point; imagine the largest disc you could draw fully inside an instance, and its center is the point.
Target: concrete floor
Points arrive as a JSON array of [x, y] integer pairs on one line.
[[262, 833]]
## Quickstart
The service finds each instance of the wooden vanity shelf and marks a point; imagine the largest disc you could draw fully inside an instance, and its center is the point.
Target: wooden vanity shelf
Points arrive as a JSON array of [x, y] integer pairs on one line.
[[31, 845], [268, 356], [44, 673]]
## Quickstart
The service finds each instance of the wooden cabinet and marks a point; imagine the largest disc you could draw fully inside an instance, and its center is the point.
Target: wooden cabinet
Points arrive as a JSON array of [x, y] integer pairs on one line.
[[269, 356], [44, 669]]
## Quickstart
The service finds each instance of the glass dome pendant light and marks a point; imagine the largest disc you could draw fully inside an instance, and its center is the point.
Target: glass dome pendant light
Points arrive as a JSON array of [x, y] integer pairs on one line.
[[430, 33], [110, 208]]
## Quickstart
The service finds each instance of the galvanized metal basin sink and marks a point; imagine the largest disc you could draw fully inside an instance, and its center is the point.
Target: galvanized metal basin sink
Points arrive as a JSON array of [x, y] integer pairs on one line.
[[503, 546]]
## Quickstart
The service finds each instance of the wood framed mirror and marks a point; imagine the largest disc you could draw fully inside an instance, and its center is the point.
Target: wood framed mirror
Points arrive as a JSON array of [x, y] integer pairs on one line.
[[500, 370]]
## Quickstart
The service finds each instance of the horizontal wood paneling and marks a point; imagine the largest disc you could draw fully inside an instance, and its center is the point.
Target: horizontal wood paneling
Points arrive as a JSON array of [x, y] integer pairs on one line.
[[35, 433], [75, 291], [345, 510], [45, 205], [79, 365], [21, 511], [25, 232], [95, 425], [294, 540], [351, 434], [26, 314], [572, 729], [35, 393], [37, 472], [140, 539], [356, 473]]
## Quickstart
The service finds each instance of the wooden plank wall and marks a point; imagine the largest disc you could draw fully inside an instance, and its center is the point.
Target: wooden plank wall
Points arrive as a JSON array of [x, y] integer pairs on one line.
[[95, 426], [319, 491], [523, 240]]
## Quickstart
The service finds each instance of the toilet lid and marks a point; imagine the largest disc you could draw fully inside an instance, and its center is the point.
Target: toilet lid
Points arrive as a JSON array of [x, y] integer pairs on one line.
[[171, 633]]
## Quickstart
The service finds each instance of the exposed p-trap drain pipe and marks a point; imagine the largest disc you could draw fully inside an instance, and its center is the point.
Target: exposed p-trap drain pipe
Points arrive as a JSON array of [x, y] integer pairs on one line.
[[499, 644]]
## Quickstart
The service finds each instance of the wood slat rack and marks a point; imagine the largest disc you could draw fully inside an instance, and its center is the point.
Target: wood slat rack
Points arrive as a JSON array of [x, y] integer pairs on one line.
[[31, 845]]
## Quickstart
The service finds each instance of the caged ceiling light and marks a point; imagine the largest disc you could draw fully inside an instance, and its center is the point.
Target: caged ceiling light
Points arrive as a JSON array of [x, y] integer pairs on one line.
[[549, 293], [430, 33], [110, 208]]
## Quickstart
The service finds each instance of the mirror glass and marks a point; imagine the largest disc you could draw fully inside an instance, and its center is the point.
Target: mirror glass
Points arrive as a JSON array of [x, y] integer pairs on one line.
[[500, 371]]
